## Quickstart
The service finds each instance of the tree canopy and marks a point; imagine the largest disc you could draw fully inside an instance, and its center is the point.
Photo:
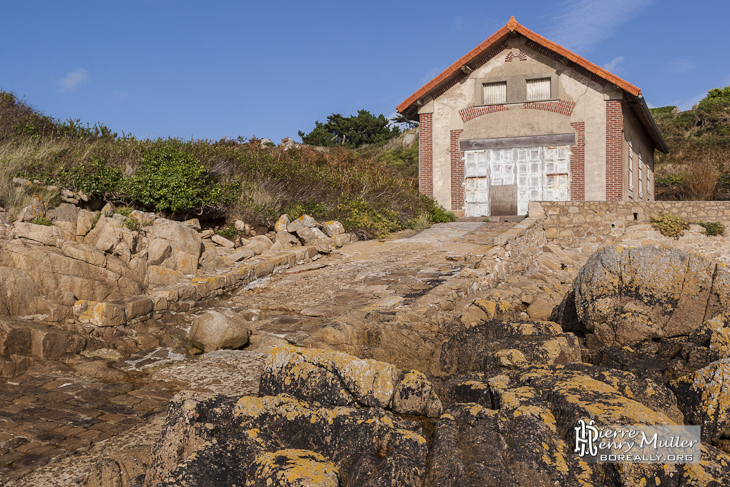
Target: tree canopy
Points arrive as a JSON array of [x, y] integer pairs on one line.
[[351, 132]]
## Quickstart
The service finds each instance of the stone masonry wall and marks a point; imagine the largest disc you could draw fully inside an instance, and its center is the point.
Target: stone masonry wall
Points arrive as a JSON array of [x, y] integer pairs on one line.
[[593, 224]]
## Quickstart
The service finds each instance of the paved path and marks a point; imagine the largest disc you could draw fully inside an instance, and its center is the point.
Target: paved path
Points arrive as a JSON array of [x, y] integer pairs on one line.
[[58, 419]]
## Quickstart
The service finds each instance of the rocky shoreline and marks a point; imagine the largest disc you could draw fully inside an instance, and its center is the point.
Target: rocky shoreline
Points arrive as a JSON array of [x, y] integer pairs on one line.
[[462, 355]]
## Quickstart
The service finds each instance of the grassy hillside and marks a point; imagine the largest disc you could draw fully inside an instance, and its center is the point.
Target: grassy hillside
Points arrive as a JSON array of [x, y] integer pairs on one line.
[[372, 189], [698, 166]]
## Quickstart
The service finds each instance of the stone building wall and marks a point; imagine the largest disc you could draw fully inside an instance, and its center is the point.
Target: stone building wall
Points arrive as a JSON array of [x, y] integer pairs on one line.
[[592, 224]]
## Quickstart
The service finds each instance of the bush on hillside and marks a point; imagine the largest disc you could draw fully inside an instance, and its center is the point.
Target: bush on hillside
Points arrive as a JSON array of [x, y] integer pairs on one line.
[[172, 181], [235, 179]]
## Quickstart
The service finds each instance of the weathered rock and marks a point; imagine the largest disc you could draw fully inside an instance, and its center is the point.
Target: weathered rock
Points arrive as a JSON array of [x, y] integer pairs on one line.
[[186, 244], [258, 244], [332, 228], [281, 224], [214, 330], [287, 239], [35, 209], [624, 296], [310, 235], [207, 442], [222, 241], [46, 235], [292, 467], [478, 348], [704, 398], [540, 309], [19, 294], [193, 223], [414, 395], [159, 251], [304, 221], [518, 429], [85, 222], [331, 377]]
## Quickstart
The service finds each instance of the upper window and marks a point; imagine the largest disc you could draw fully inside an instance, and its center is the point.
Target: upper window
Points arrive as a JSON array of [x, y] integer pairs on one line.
[[495, 93], [538, 89]]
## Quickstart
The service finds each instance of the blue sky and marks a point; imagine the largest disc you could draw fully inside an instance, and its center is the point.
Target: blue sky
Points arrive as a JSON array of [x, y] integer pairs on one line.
[[205, 70]]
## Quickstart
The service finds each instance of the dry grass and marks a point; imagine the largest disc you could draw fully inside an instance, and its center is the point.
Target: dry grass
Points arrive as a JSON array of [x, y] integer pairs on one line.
[[701, 180]]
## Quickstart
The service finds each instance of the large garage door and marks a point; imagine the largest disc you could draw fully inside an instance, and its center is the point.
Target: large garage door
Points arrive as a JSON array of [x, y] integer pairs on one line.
[[504, 181]]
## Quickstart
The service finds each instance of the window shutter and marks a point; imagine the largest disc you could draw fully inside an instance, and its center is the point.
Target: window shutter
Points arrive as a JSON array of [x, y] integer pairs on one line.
[[538, 89], [495, 93]]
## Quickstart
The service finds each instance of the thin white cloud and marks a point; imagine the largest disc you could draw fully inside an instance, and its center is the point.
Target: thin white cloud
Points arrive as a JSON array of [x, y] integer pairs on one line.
[[73, 79], [680, 66], [431, 74], [581, 24], [458, 24], [613, 65]]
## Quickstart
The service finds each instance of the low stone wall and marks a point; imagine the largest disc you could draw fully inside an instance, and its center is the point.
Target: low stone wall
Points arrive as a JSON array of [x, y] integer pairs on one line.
[[523, 242], [187, 295], [592, 224]]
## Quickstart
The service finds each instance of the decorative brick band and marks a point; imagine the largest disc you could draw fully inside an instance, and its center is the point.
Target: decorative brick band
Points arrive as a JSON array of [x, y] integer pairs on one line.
[[425, 154], [470, 113], [476, 63], [577, 163], [614, 150], [457, 171], [563, 107], [511, 55]]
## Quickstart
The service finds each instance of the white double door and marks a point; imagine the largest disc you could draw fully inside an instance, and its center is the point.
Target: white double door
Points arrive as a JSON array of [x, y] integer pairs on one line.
[[519, 174]]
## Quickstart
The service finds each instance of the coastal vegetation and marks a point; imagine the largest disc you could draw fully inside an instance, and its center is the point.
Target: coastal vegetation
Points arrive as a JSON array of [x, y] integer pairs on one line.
[[371, 189]]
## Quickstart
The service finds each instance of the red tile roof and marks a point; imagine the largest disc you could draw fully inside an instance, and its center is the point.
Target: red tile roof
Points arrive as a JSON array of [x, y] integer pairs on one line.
[[510, 27]]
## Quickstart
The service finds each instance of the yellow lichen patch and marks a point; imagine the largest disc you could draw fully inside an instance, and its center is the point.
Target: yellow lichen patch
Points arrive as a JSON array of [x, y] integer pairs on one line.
[[474, 384], [369, 379], [510, 358], [295, 467], [447, 416], [604, 403], [488, 306], [712, 381], [249, 406], [411, 435]]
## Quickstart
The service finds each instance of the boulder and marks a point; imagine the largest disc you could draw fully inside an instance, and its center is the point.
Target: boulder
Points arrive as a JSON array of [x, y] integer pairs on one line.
[[281, 224], [212, 440], [222, 241], [332, 228], [258, 244], [704, 398], [35, 209], [481, 346], [186, 244], [624, 296], [286, 239], [310, 235], [214, 330], [338, 379], [304, 221]]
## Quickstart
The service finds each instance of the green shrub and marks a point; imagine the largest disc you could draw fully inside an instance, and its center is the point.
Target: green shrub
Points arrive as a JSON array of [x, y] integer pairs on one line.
[[96, 179], [713, 228], [42, 220], [171, 180], [670, 225], [230, 232], [671, 180], [131, 224], [124, 211]]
